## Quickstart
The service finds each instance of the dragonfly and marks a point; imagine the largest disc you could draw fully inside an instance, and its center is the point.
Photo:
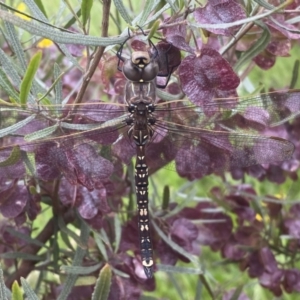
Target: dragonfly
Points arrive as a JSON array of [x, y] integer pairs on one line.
[[87, 142]]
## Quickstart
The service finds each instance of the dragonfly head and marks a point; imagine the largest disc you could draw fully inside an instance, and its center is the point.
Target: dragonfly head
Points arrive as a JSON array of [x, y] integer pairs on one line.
[[141, 67]]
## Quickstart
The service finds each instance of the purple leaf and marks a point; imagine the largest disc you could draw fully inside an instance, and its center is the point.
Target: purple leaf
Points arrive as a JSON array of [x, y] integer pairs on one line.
[[202, 76], [229, 295], [13, 200], [79, 165], [292, 280], [89, 203], [184, 233], [265, 60], [220, 12], [279, 47]]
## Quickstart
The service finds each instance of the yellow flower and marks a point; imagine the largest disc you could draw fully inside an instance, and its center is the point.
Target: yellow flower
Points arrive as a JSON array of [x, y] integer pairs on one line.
[[22, 8], [44, 43]]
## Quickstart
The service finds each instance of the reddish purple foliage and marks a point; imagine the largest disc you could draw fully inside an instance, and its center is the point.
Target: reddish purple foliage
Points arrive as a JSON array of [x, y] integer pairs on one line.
[[81, 176]]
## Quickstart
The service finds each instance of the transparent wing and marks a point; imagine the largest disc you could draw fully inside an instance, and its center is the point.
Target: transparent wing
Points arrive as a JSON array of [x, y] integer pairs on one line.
[[47, 141], [256, 112], [197, 152]]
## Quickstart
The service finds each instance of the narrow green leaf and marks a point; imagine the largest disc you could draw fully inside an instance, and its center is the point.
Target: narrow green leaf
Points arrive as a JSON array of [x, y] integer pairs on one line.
[[264, 4], [86, 281], [65, 237], [31, 295], [25, 238], [20, 255], [237, 293], [59, 36], [153, 29], [78, 257], [40, 133], [73, 19], [175, 246], [118, 231], [181, 270], [12, 159], [9, 68], [40, 5], [43, 100], [79, 126], [81, 270], [119, 4], [14, 127], [7, 86], [29, 76], [15, 43], [17, 293], [256, 48], [102, 287], [295, 73], [100, 245], [166, 198], [40, 17], [155, 16], [86, 6], [146, 12], [58, 84], [69, 232], [173, 5], [2, 286], [207, 286]]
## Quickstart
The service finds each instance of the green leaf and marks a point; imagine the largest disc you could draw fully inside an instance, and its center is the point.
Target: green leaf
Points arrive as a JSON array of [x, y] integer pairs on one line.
[[119, 4], [78, 257], [68, 231], [118, 232], [2, 286], [20, 255], [237, 293], [29, 76], [40, 133], [13, 157], [86, 6], [100, 245], [153, 29], [264, 4], [166, 197], [86, 280], [295, 73], [103, 284], [9, 68], [58, 84], [17, 293], [175, 246], [73, 19], [146, 12], [80, 270], [59, 36], [181, 270], [256, 48], [24, 237], [40, 5], [31, 295], [7, 86], [14, 127]]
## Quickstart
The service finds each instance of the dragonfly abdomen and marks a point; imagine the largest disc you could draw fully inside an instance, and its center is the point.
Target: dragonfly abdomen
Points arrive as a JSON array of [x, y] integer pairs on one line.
[[141, 182]]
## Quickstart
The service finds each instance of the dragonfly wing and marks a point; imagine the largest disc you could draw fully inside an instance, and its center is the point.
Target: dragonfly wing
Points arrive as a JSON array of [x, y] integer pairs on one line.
[[74, 143], [256, 112], [198, 152]]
